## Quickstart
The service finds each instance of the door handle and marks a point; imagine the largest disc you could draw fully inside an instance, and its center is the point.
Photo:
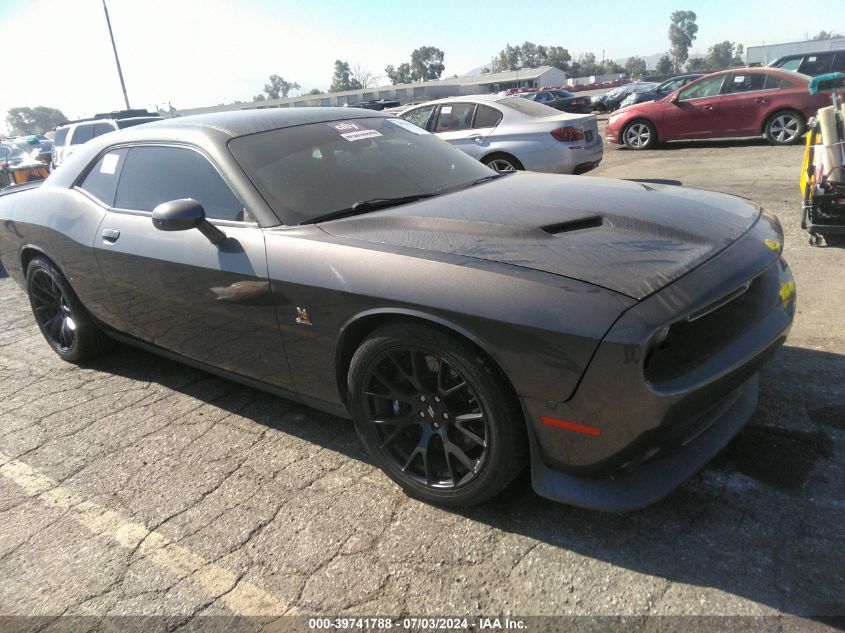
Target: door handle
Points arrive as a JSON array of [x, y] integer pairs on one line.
[[761, 100], [475, 137], [711, 107], [110, 235]]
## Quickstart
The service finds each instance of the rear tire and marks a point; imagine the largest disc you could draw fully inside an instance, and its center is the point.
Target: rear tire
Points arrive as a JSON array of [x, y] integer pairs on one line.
[[61, 317], [435, 415], [503, 163], [785, 127]]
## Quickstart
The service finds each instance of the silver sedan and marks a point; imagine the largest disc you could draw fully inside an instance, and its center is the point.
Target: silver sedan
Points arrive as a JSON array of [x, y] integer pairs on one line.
[[510, 133]]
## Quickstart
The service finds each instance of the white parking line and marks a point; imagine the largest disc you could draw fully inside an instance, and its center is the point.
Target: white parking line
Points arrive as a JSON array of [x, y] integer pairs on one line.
[[242, 597]]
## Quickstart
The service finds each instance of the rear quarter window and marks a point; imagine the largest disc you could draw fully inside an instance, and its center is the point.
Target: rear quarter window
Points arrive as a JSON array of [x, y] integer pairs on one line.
[[101, 180], [485, 116]]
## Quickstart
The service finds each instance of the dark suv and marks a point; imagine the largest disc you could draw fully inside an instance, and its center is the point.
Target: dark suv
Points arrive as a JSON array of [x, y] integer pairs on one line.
[[812, 64]]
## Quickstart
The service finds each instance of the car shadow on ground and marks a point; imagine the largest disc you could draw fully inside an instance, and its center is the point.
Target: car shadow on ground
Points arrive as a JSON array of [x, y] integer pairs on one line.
[[703, 144], [763, 521]]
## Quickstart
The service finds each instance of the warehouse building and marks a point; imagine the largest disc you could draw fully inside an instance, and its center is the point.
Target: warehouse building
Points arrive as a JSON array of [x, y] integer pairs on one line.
[[406, 93], [762, 55]]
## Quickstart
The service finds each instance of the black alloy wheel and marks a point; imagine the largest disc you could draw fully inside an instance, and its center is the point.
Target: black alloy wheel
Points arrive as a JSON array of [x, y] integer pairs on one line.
[[63, 321], [439, 422]]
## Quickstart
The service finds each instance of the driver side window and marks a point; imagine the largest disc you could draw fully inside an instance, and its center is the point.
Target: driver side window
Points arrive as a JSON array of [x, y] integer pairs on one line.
[[153, 175], [707, 87]]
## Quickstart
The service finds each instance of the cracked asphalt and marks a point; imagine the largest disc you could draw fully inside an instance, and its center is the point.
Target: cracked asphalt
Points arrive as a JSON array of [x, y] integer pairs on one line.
[[137, 486]]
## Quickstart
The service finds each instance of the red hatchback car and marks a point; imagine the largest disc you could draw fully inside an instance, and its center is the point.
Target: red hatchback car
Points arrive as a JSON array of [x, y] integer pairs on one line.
[[736, 102]]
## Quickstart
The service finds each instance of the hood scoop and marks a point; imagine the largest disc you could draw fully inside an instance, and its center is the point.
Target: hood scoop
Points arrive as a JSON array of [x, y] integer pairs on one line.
[[573, 225]]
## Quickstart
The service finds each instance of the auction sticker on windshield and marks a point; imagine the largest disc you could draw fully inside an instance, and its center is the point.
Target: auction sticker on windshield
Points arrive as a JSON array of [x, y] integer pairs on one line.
[[353, 131]]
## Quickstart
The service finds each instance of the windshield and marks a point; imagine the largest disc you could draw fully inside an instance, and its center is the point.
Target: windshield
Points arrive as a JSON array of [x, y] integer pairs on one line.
[[311, 170]]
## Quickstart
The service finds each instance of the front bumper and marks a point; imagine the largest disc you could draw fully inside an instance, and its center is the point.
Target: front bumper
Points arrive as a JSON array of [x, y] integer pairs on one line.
[[655, 479], [613, 134], [644, 406]]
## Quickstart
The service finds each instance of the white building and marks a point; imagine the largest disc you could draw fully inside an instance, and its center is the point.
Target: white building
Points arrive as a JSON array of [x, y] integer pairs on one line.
[[406, 93], [762, 55]]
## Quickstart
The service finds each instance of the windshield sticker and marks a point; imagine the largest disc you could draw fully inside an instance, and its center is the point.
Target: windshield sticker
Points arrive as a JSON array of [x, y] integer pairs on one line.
[[445, 109], [353, 131], [109, 164], [739, 79], [407, 125]]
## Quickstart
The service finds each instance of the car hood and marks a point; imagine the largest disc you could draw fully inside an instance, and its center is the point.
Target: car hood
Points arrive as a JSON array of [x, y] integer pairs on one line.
[[632, 238]]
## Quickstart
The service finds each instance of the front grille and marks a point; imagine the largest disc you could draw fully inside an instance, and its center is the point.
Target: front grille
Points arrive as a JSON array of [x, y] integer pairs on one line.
[[709, 330]]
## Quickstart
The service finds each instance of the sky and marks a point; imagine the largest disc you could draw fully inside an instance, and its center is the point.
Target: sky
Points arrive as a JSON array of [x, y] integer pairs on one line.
[[195, 53]]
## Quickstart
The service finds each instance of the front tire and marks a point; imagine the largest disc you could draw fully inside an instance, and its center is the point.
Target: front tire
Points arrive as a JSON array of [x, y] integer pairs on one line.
[[785, 127], [639, 135], [435, 415], [61, 317]]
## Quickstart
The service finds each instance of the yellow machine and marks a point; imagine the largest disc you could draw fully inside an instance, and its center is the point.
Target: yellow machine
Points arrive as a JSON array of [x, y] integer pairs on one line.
[[823, 169]]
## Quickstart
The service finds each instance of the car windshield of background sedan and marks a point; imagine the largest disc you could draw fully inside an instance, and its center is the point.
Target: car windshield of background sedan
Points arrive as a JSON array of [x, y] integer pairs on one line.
[[309, 171]]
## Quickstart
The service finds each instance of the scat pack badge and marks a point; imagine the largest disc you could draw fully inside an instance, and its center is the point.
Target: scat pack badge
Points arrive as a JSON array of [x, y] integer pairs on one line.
[[773, 244], [302, 316]]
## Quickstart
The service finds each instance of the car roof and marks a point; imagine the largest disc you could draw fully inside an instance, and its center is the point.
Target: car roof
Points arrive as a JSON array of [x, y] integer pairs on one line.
[[241, 122], [795, 55]]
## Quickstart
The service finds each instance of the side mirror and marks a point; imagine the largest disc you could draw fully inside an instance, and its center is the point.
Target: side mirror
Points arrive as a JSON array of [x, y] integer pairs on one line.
[[184, 214]]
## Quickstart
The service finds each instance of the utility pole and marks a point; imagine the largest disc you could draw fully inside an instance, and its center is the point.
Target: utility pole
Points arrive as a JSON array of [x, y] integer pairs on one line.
[[116, 59]]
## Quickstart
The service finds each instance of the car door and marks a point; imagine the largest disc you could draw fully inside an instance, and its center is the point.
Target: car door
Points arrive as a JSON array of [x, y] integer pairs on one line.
[[176, 290], [694, 111], [467, 126], [744, 96]]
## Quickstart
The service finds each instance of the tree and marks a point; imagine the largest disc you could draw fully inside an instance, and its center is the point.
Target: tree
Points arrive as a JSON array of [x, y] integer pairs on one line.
[[588, 64], [259, 97], [401, 75], [558, 57], [738, 53], [635, 66], [313, 91], [697, 63], [720, 55], [509, 57], [33, 120], [427, 63], [682, 31], [826, 35], [278, 88], [363, 76], [664, 65], [528, 55], [342, 78], [612, 68]]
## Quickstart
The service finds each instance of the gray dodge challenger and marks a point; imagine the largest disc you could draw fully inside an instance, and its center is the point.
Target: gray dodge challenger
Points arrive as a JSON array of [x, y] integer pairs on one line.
[[607, 335]]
